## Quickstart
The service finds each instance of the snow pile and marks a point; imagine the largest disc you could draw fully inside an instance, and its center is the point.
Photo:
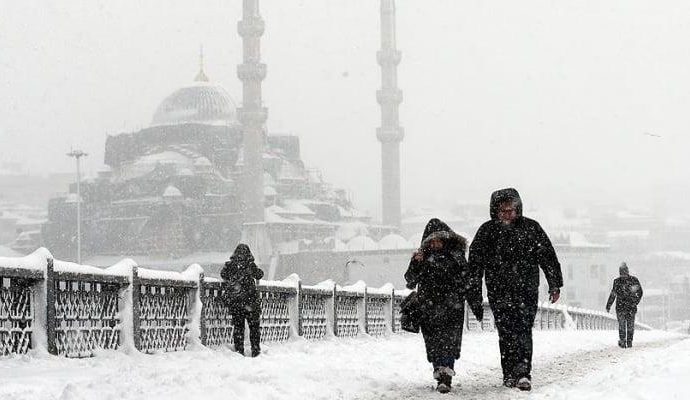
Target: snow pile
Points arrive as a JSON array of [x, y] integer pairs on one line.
[[67, 266], [36, 260]]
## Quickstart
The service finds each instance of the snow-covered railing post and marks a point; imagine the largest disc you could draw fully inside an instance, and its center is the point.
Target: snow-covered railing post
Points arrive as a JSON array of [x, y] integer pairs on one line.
[[50, 307], [126, 305], [295, 310], [203, 335], [136, 307], [334, 309], [196, 322], [390, 312], [362, 310], [39, 293]]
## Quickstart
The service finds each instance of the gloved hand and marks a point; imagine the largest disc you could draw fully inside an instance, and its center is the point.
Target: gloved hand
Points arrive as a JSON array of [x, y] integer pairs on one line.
[[554, 295]]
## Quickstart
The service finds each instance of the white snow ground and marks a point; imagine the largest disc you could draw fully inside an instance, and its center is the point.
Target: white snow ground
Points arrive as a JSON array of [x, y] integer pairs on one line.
[[567, 365]]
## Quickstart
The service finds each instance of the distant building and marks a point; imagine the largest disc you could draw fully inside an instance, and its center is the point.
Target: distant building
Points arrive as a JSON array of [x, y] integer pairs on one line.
[[586, 271], [655, 308], [679, 304]]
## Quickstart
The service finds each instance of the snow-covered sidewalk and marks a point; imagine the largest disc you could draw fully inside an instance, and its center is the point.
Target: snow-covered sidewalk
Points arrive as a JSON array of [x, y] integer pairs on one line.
[[567, 365]]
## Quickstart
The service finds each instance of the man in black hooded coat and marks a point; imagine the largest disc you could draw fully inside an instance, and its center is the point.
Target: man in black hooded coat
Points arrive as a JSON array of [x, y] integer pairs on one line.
[[627, 293], [440, 272], [242, 297], [508, 251]]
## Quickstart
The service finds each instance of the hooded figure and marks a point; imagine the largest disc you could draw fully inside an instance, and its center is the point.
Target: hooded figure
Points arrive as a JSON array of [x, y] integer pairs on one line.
[[242, 297], [440, 272], [627, 292], [508, 252]]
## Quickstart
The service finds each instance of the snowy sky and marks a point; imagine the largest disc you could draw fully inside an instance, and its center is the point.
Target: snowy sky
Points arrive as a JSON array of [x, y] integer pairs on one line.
[[566, 100]]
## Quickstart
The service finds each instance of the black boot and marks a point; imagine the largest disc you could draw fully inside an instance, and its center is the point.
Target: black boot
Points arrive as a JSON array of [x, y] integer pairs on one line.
[[524, 384], [444, 383]]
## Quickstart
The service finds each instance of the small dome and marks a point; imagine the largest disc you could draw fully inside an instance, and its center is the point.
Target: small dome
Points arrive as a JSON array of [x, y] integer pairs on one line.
[[172, 191], [203, 103], [362, 243], [348, 230], [393, 241], [202, 162], [185, 172]]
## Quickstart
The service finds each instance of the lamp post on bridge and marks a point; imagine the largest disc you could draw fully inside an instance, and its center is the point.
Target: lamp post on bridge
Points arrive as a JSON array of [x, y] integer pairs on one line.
[[77, 154]]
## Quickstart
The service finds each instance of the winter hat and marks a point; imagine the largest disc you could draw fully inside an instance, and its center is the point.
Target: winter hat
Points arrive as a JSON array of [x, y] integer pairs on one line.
[[623, 269], [501, 196]]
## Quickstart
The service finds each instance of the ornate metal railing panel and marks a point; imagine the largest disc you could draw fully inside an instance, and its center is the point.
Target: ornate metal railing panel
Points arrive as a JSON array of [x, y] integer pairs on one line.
[[376, 314], [86, 316], [216, 315], [275, 316], [16, 316], [164, 315], [314, 323], [347, 315]]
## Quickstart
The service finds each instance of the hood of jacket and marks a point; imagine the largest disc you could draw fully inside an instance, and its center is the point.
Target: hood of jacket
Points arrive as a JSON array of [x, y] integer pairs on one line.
[[501, 196], [437, 229], [241, 253]]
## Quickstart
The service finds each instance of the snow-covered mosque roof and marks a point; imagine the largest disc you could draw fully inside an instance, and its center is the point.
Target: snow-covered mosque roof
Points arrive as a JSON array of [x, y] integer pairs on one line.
[[202, 102]]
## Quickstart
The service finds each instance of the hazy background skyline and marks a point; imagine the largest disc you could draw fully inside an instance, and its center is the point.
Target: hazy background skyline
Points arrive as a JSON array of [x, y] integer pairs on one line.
[[570, 102]]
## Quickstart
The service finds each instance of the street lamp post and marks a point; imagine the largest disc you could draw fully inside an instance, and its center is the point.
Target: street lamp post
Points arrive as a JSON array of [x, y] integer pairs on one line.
[[77, 154]]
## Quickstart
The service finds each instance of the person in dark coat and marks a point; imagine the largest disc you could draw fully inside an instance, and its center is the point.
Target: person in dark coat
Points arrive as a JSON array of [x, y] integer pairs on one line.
[[508, 252], [627, 292], [242, 297], [439, 271]]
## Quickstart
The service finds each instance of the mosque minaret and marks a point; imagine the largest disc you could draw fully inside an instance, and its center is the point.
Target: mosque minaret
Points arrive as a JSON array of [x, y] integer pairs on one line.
[[390, 134], [252, 114]]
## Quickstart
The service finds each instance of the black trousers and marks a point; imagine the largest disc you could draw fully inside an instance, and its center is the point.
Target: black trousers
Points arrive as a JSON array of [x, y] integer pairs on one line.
[[253, 318], [514, 323], [626, 327]]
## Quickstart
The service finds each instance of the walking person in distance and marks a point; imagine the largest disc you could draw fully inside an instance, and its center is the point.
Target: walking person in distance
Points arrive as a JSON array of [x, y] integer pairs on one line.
[[240, 275]]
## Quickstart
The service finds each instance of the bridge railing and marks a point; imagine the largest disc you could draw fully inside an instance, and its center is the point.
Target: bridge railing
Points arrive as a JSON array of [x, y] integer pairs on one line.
[[74, 310]]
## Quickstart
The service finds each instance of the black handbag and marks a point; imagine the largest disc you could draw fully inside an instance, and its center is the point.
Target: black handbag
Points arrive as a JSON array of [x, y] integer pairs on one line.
[[410, 313]]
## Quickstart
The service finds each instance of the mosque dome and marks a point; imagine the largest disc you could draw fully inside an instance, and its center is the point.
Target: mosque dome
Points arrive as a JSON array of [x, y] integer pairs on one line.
[[203, 102]]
